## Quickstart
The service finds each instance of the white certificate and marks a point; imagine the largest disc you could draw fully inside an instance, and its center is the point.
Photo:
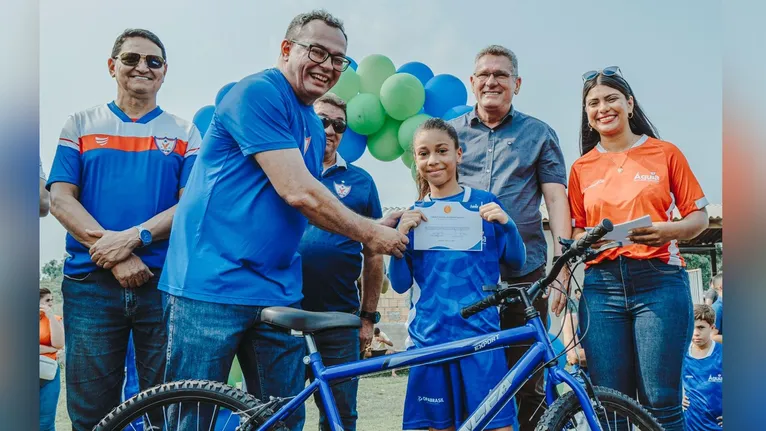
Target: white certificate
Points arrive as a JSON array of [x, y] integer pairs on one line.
[[451, 226]]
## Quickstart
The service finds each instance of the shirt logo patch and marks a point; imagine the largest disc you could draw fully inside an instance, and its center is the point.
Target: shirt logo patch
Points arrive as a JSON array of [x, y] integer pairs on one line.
[[430, 400], [447, 209], [651, 178], [102, 140], [715, 379], [342, 190], [166, 145]]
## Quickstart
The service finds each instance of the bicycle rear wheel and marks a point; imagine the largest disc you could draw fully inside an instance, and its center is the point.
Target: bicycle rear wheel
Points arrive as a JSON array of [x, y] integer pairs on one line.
[[621, 413], [187, 404]]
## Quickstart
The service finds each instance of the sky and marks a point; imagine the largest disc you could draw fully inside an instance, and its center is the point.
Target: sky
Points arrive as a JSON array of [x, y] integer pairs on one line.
[[669, 52]]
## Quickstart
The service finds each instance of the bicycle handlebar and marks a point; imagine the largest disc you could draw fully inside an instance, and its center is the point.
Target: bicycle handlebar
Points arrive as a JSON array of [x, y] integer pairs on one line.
[[577, 249]]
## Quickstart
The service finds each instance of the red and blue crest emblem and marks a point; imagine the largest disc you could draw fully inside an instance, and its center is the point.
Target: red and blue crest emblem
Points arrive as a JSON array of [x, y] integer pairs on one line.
[[166, 145]]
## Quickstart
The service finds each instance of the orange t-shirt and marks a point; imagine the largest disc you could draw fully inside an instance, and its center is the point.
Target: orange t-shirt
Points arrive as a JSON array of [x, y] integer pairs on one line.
[[656, 178], [45, 333]]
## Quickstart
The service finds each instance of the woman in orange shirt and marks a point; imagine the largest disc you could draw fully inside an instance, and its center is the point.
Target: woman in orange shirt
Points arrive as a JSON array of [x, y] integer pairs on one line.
[[51, 341], [637, 295]]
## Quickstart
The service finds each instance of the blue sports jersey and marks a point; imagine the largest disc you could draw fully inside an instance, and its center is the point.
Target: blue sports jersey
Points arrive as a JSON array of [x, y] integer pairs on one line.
[[703, 386], [234, 239], [127, 171], [443, 282], [332, 262], [718, 308]]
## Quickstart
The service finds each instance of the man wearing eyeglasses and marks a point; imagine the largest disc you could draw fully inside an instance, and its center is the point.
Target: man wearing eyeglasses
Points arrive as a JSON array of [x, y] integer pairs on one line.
[[233, 250], [517, 157], [118, 173], [332, 262]]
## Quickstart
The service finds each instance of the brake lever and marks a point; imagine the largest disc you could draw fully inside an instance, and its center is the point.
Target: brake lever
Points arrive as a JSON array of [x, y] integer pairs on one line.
[[591, 254], [495, 287], [566, 244]]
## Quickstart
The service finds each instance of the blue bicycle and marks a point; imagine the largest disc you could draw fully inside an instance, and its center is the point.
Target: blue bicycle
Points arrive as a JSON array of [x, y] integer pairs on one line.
[[223, 407]]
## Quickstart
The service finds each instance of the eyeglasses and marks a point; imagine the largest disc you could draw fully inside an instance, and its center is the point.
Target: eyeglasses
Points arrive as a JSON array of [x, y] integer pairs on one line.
[[319, 55], [339, 126], [607, 71], [500, 76], [131, 59]]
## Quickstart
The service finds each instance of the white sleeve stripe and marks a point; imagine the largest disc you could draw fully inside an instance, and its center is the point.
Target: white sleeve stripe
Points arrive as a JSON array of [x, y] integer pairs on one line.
[[701, 202], [191, 152], [67, 143]]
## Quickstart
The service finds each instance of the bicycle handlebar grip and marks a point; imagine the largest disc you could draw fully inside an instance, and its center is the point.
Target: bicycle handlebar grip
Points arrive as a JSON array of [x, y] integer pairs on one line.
[[595, 235], [481, 305]]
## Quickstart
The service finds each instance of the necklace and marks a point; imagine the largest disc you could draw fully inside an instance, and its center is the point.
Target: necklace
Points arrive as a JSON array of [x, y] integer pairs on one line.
[[619, 167]]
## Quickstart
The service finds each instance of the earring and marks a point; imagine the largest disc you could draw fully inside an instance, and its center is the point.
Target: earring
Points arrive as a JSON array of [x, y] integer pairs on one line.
[[630, 115]]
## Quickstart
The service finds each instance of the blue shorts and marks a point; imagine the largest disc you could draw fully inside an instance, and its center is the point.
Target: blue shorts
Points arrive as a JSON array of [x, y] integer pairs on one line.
[[444, 395]]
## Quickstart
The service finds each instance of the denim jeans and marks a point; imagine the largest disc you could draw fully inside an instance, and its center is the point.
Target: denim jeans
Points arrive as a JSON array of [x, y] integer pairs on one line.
[[98, 316], [639, 318], [49, 399], [203, 338], [339, 347]]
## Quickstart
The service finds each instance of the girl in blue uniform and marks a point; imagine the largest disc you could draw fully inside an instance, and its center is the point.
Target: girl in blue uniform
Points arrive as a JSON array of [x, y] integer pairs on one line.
[[441, 396]]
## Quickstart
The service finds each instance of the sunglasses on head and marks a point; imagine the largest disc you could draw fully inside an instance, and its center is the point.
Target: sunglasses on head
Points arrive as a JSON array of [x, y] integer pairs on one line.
[[607, 71], [339, 126], [131, 59]]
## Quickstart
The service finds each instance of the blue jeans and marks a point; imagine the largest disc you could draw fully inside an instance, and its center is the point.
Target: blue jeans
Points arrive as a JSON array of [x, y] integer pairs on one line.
[[49, 399], [641, 322], [203, 338], [98, 316], [339, 347]]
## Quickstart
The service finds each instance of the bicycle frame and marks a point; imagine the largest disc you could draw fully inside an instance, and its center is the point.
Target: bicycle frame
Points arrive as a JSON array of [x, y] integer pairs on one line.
[[540, 352]]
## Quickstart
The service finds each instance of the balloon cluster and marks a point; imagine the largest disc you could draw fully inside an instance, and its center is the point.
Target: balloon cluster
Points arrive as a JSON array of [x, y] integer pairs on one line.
[[385, 106]]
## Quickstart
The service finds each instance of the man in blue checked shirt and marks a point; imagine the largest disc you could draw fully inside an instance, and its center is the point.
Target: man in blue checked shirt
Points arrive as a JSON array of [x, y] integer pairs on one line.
[[332, 262]]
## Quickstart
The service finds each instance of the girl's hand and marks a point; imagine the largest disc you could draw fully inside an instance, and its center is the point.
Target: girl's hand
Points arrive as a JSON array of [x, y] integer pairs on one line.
[[657, 235], [410, 220], [492, 212]]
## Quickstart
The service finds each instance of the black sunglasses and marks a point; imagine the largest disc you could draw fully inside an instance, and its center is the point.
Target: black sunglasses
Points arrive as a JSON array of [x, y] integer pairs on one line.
[[319, 55], [131, 59], [607, 71], [338, 125]]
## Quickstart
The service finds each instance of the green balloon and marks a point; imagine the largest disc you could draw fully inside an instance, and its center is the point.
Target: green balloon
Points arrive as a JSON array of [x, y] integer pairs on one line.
[[402, 95], [383, 144], [407, 157], [365, 114], [347, 86], [373, 70], [407, 131]]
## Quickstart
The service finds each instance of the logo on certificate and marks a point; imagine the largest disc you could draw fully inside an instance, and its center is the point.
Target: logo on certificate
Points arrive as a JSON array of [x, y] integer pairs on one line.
[[447, 209]]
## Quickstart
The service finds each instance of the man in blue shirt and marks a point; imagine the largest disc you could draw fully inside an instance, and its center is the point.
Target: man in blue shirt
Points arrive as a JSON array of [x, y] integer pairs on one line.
[[235, 237], [332, 262], [703, 375], [516, 157], [717, 285]]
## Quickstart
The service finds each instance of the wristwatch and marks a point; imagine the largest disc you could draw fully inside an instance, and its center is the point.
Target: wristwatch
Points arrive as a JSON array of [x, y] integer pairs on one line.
[[144, 235], [373, 317]]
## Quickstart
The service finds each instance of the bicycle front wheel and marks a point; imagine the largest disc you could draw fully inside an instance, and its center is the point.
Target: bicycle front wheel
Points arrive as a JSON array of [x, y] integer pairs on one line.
[[187, 405], [620, 413]]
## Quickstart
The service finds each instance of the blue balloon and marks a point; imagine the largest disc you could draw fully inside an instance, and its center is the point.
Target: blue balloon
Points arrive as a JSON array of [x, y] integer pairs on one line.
[[353, 65], [444, 92], [352, 145], [203, 117], [420, 70], [222, 92], [456, 111]]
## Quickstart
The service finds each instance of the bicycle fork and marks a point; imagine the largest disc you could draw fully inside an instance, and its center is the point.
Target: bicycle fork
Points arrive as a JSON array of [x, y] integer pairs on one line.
[[557, 375]]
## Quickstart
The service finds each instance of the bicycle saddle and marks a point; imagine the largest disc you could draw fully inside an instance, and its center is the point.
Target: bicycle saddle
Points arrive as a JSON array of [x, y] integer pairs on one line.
[[308, 321]]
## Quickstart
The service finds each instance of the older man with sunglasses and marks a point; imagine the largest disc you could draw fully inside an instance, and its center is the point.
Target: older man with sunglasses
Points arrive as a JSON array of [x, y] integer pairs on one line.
[[332, 262], [118, 174], [233, 250]]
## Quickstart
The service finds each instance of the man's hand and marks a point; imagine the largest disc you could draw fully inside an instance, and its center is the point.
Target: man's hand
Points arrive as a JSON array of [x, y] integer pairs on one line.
[[558, 300], [410, 220], [656, 235], [392, 219], [386, 240], [112, 247], [572, 357], [365, 334], [685, 402], [132, 272]]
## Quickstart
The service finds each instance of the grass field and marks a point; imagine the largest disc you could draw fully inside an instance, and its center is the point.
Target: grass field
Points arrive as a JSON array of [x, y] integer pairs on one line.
[[379, 404]]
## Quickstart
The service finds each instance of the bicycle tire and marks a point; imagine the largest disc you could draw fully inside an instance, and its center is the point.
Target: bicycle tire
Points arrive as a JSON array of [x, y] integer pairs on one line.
[[214, 393], [567, 406]]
